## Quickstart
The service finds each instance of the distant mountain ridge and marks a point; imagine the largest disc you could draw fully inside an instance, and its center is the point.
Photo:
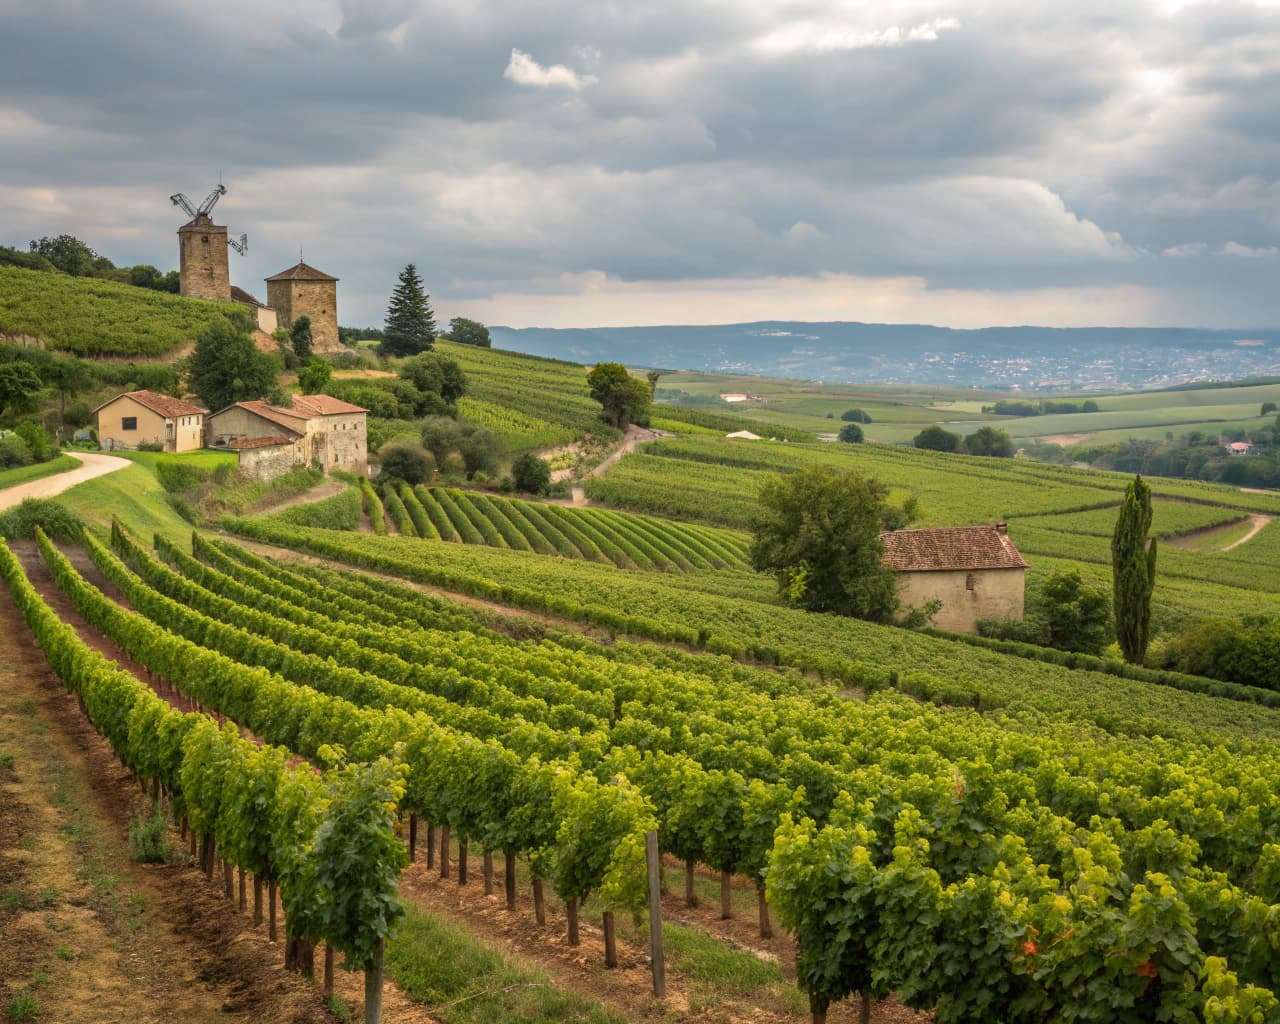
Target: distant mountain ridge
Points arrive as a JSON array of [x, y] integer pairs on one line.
[[1088, 358]]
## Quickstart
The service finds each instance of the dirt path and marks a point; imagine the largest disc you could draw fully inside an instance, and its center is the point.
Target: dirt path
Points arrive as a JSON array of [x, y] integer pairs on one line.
[[90, 935], [1191, 540], [1259, 521], [326, 488], [634, 436], [92, 464]]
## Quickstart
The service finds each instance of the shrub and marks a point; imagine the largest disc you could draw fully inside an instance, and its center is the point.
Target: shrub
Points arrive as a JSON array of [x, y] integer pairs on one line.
[[151, 446], [38, 440], [149, 838], [14, 452], [78, 414], [854, 416], [453, 466], [530, 473], [850, 433], [58, 521], [408, 461], [180, 476]]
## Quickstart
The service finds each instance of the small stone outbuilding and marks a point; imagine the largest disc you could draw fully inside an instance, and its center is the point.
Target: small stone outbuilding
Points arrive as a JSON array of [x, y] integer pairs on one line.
[[314, 430], [149, 417], [304, 290], [975, 571]]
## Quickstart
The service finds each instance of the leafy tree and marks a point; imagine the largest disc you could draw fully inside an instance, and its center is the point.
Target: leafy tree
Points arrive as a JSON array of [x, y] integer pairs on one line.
[[406, 460], [1267, 407], [26, 260], [1077, 617], [625, 398], [934, 438], [530, 473], [300, 337], [850, 433], [227, 367], [19, 385], [855, 416], [67, 253], [315, 376], [433, 373], [989, 442], [818, 532], [410, 326], [1133, 571], [653, 376], [469, 332], [68, 376]]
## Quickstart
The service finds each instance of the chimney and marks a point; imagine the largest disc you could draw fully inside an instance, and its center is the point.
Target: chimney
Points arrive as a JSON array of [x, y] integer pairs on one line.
[[1002, 529]]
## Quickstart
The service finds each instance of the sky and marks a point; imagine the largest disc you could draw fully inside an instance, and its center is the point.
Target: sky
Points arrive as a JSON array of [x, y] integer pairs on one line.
[[571, 164]]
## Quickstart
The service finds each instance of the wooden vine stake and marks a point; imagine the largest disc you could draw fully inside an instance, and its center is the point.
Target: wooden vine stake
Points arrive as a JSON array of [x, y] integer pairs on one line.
[[444, 851], [413, 838], [509, 878], [487, 864], [373, 988], [431, 846], [610, 941], [655, 913], [726, 896], [690, 897]]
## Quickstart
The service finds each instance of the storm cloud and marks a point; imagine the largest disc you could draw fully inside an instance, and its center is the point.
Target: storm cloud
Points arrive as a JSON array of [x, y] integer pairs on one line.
[[576, 164]]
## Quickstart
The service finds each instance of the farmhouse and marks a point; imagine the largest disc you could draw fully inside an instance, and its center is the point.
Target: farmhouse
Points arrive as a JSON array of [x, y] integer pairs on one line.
[[148, 417], [269, 439], [975, 571]]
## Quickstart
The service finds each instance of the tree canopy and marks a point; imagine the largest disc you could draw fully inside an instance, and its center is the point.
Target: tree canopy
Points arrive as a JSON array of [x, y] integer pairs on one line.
[[227, 367], [410, 326], [300, 337], [990, 442], [850, 433], [818, 532], [469, 332], [19, 384], [935, 438], [315, 376], [530, 473], [1133, 571], [624, 398]]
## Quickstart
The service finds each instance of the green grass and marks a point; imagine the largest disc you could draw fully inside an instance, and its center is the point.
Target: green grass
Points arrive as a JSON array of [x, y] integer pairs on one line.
[[466, 981], [202, 458], [36, 471], [134, 496], [23, 1006], [101, 318]]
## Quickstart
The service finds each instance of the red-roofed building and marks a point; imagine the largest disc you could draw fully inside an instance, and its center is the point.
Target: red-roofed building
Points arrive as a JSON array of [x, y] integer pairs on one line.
[[975, 571], [315, 430], [151, 418]]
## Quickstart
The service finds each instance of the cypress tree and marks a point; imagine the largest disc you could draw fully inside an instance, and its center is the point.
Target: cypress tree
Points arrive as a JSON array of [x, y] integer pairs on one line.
[[1133, 571], [410, 327]]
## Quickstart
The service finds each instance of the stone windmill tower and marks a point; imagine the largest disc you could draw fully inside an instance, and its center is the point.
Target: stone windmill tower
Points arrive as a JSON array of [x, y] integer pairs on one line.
[[202, 250]]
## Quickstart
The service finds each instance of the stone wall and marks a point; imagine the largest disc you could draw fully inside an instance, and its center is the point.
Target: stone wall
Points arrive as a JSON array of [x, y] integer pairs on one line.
[[318, 300], [995, 594], [202, 260], [269, 462], [340, 442]]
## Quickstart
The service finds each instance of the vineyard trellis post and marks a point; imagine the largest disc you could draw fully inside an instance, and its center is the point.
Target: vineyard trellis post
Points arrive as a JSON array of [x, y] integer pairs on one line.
[[655, 913]]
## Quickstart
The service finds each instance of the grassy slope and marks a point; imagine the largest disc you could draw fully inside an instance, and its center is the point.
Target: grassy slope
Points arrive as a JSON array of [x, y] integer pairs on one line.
[[101, 318], [24, 474]]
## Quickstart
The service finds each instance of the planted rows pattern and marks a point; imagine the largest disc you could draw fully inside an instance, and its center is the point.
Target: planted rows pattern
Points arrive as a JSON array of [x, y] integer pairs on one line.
[[1118, 859]]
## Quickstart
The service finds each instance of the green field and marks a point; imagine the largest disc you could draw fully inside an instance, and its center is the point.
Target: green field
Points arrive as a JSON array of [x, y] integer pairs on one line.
[[24, 474], [92, 317]]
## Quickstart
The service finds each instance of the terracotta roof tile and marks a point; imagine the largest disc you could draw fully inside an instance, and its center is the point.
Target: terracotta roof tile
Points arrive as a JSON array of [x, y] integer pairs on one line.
[[166, 405], [323, 405], [954, 547], [294, 422], [302, 272], [242, 296]]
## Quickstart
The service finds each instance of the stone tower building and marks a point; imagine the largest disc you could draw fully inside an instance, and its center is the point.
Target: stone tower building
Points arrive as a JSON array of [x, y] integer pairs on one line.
[[202, 260], [305, 290]]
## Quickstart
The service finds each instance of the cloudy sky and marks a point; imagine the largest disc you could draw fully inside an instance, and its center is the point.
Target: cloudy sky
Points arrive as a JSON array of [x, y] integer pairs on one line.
[[674, 161]]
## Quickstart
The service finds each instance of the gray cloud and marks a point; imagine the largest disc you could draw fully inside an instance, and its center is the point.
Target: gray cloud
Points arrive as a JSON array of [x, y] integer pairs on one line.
[[996, 148]]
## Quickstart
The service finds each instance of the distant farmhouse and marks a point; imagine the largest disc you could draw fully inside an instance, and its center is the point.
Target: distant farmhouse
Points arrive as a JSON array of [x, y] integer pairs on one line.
[[149, 418], [1241, 448], [975, 571], [269, 439]]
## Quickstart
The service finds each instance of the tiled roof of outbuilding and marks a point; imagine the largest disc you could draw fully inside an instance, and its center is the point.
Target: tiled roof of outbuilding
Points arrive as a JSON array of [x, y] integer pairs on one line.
[[951, 548], [323, 405], [166, 405]]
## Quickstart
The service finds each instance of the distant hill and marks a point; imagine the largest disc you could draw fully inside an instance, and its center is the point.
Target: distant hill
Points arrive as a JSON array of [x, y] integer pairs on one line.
[[93, 317], [1040, 358]]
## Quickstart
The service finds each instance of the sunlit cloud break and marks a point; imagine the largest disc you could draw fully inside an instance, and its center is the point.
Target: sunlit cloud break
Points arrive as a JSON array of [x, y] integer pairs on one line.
[[827, 37], [524, 70]]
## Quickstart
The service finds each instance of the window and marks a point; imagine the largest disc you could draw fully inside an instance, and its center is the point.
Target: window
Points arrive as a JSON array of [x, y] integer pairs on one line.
[[970, 581], [128, 422]]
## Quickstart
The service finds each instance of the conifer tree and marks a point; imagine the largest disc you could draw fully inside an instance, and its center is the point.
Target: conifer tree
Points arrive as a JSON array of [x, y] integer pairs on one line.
[[410, 326], [1133, 571]]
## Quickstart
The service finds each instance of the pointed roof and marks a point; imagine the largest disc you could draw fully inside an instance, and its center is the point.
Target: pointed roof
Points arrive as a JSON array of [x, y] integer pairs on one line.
[[951, 548], [301, 272], [165, 405], [294, 422], [242, 296]]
